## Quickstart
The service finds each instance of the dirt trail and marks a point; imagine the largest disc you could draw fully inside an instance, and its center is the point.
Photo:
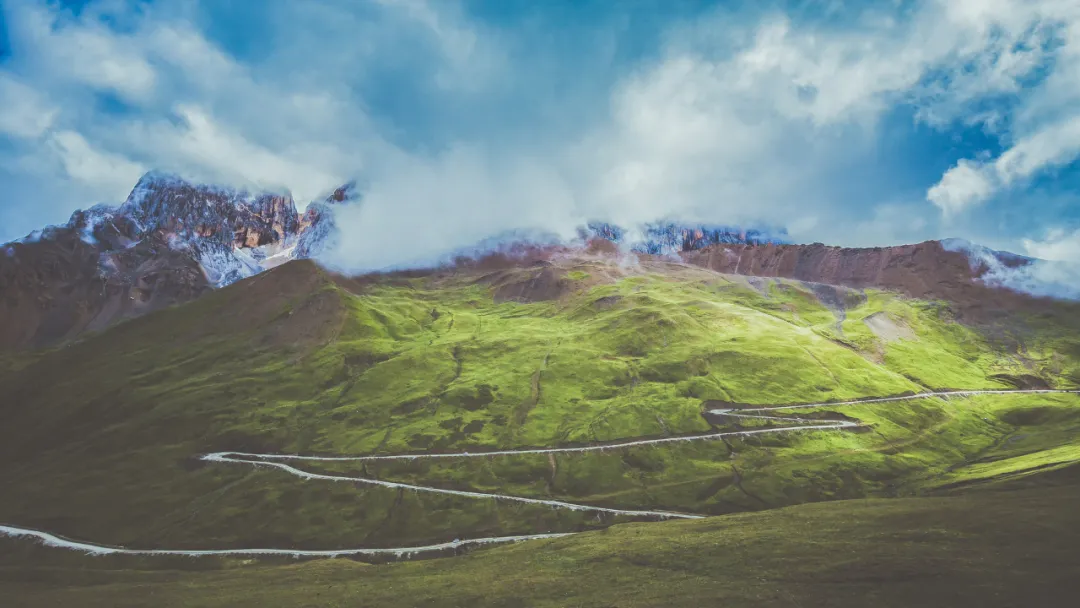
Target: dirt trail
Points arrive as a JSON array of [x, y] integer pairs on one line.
[[232, 457], [803, 425], [52, 540]]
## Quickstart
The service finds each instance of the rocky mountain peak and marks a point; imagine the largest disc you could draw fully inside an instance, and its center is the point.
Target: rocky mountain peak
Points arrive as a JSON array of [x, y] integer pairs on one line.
[[187, 211], [345, 193]]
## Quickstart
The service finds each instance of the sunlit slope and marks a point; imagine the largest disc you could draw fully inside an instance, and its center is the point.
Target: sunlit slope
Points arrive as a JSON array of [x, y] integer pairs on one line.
[[101, 438]]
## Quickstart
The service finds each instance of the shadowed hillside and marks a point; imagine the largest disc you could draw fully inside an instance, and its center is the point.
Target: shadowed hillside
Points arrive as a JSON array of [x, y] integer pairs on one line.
[[1010, 544]]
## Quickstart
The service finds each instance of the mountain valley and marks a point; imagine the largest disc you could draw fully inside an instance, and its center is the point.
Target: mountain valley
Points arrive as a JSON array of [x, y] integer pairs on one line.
[[262, 406], [553, 356]]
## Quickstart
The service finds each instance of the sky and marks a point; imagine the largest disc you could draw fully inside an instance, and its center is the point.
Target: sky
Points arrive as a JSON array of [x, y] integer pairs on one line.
[[849, 123]]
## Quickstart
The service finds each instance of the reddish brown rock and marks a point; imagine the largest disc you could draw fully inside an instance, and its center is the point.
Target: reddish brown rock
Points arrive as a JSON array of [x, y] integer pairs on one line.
[[923, 270]]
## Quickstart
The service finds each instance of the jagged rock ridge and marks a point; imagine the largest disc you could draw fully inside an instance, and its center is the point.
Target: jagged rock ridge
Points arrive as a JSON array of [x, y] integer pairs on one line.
[[932, 269]]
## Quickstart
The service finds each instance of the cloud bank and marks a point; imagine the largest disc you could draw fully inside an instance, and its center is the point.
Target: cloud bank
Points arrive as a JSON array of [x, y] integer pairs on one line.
[[891, 123]]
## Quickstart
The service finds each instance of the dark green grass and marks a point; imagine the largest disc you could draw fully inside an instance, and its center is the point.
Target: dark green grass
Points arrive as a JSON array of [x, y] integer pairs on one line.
[[1011, 544]]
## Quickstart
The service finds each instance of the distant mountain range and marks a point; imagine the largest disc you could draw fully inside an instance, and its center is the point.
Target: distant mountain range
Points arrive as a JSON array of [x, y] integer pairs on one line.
[[173, 240]]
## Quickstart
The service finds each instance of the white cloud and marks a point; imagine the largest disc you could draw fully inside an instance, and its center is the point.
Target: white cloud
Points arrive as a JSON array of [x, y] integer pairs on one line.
[[471, 57], [1057, 245], [1052, 145], [750, 125], [85, 52], [192, 109], [458, 41], [421, 209], [104, 174], [210, 151], [1046, 277], [1043, 132], [26, 113], [964, 185], [771, 119], [972, 182], [198, 62]]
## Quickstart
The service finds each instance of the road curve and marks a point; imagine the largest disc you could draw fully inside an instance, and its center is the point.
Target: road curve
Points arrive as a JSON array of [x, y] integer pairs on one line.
[[804, 425], [52, 540], [274, 461]]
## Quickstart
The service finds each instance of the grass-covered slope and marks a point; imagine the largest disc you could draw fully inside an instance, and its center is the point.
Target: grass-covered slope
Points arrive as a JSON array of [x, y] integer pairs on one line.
[[101, 438], [1008, 545]]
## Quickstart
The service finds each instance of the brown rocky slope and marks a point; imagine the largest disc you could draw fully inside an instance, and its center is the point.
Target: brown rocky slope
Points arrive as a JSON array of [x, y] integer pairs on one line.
[[923, 270]]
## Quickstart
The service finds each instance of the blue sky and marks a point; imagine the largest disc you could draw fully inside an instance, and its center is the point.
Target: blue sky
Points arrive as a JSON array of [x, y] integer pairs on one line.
[[854, 123]]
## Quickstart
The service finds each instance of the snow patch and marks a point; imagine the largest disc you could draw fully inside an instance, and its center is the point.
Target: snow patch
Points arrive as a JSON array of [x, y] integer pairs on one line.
[[279, 258], [322, 235], [226, 265], [87, 222]]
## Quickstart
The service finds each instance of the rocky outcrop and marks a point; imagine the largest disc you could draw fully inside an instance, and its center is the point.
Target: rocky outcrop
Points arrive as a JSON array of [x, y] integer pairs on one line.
[[932, 269], [168, 204], [914, 269]]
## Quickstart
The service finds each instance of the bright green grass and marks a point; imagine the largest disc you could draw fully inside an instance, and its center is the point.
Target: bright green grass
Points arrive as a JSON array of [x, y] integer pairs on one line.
[[101, 439], [912, 447]]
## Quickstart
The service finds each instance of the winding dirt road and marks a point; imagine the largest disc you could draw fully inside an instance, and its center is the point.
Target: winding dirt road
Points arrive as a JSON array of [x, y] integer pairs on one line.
[[276, 461], [231, 457], [52, 540]]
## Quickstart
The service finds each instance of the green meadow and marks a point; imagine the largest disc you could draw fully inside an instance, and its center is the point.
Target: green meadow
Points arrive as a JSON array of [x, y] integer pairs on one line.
[[101, 437]]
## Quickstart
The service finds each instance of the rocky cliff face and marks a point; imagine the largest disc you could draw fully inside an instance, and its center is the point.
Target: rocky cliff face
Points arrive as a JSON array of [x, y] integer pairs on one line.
[[168, 243], [932, 269], [171, 205]]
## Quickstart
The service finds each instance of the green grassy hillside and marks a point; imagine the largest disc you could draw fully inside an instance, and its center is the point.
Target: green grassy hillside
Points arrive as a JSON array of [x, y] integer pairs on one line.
[[1008, 544], [101, 438]]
